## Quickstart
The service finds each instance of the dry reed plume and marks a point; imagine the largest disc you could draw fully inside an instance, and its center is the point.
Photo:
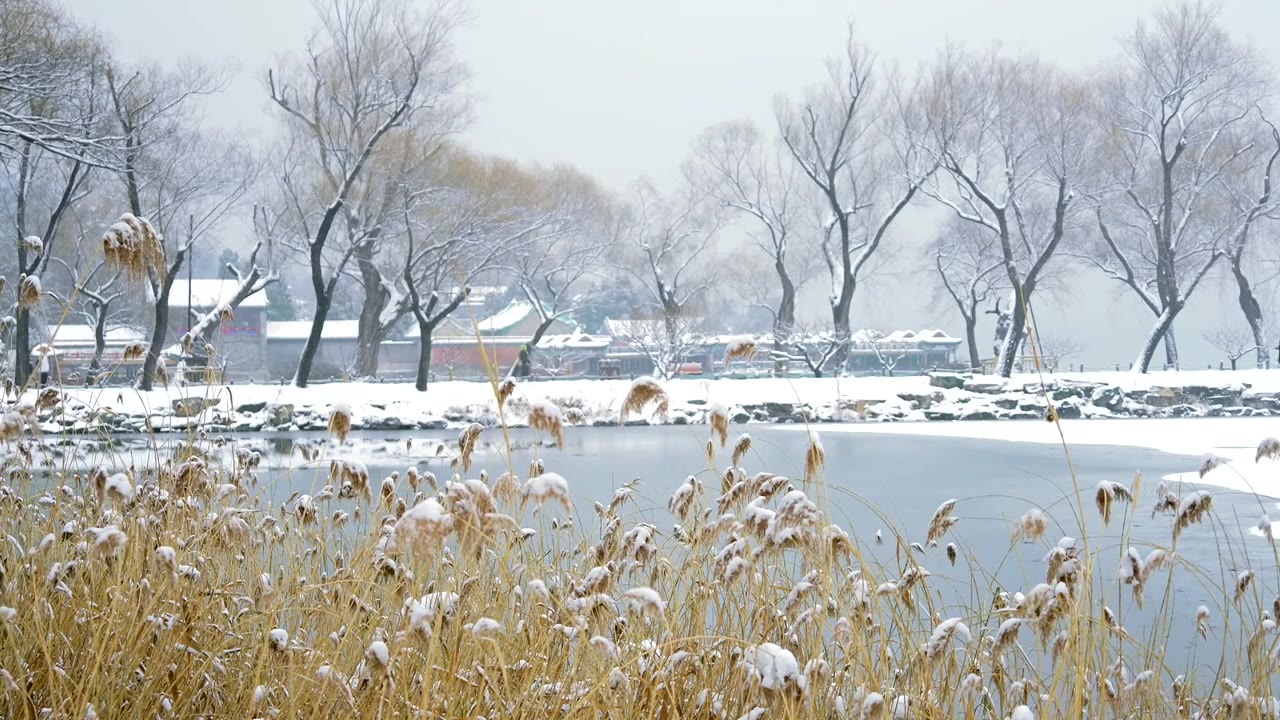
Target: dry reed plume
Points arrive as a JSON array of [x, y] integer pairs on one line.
[[741, 448], [815, 457], [942, 522], [134, 351], [645, 390], [29, 291], [718, 418], [740, 349], [340, 421], [1269, 448], [545, 417], [1191, 510], [505, 390], [1107, 494], [134, 246], [467, 440]]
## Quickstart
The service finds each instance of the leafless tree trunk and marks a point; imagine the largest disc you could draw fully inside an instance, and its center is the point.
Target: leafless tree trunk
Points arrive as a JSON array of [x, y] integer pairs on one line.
[[34, 252], [1181, 107], [395, 68], [1252, 311], [1014, 139], [672, 236], [859, 159], [1254, 209], [372, 332], [553, 266], [969, 269], [732, 164]]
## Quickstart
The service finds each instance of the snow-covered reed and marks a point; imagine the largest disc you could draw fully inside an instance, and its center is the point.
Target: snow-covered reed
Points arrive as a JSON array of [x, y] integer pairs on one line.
[[545, 417], [340, 421], [178, 588], [645, 391]]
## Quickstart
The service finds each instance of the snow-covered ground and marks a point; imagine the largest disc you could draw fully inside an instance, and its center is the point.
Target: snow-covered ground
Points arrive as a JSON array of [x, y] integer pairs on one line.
[[1260, 380], [253, 407], [609, 393]]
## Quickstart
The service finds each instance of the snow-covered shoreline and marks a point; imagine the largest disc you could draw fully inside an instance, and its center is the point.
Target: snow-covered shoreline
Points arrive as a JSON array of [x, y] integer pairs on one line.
[[878, 400]]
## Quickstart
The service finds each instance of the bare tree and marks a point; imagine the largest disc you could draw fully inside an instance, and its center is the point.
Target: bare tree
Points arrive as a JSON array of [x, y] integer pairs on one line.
[[50, 138], [197, 343], [47, 65], [478, 214], [1180, 107], [184, 181], [851, 137], [97, 294], [1252, 208], [1054, 350], [672, 236], [737, 167], [553, 268], [1014, 139], [46, 186], [1234, 342], [888, 352], [560, 358], [970, 273], [666, 341], [816, 348], [372, 68]]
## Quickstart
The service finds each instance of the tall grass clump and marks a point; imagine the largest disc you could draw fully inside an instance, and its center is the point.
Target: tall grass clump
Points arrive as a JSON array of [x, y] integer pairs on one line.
[[180, 587]]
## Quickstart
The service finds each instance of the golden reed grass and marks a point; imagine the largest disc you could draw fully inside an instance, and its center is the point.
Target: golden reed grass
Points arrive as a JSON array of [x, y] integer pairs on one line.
[[133, 246], [340, 421], [645, 390], [546, 417], [741, 349], [179, 588]]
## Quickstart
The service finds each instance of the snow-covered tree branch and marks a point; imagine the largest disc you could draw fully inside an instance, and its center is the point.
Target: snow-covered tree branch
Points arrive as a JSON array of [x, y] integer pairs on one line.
[[854, 139], [1181, 108], [1015, 141]]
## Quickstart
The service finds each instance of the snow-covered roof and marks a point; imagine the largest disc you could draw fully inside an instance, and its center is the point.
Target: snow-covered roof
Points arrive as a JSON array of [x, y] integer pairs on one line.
[[70, 335], [301, 329], [937, 337], [506, 318], [726, 339], [577, 340], [901, 338], [640, 328], [211, 292]]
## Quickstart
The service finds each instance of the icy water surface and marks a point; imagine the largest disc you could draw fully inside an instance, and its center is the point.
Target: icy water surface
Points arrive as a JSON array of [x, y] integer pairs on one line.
[[872, 482]]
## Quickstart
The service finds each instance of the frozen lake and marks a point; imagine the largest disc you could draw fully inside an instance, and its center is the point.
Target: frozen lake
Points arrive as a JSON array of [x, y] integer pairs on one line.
[[886, 481]]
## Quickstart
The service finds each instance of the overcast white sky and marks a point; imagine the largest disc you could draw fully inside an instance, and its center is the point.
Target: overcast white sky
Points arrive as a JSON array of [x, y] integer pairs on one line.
[[620, 89]]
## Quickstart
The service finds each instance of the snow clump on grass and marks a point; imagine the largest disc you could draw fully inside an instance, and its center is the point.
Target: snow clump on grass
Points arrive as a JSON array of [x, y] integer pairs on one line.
[[424, 527], [644, 391], [546, 487]]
